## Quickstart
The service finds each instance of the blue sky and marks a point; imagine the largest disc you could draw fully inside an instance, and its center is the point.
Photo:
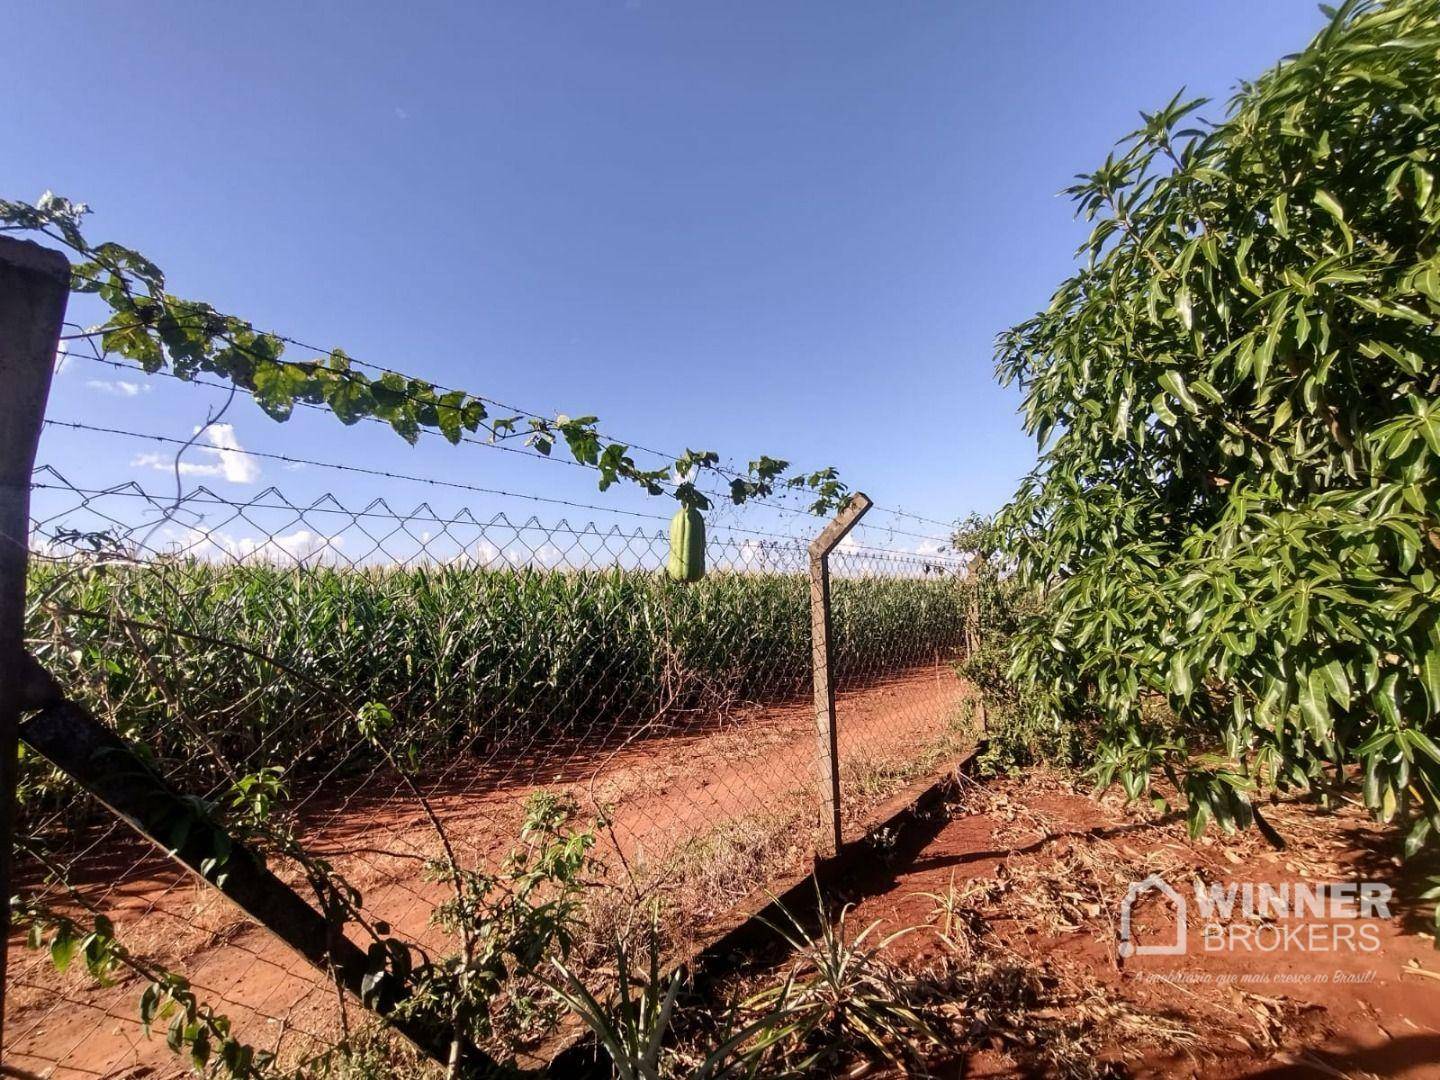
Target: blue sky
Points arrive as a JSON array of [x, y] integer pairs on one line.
[[783, 227]]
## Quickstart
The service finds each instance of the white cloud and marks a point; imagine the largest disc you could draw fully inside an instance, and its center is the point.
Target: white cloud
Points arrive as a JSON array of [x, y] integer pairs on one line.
[[401, 114], [62, 357], [483, 553], [302, 543], [117, 387], [227, 460], [547, 555], [300, 546], [237, 467], [167, 464]]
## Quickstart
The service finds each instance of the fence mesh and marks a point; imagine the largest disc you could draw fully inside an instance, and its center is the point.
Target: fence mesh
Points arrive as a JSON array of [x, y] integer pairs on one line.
[[242, 643]]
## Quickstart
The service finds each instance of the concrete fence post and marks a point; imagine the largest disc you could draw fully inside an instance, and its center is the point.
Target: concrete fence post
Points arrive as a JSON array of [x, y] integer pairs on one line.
[[34, 287], [820, 630]]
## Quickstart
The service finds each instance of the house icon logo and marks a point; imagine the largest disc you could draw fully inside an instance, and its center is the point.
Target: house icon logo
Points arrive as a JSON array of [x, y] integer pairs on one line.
[[1153, 883]]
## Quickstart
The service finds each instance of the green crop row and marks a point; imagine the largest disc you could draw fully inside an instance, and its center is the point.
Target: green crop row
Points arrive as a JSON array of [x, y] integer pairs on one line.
[[243, 666]]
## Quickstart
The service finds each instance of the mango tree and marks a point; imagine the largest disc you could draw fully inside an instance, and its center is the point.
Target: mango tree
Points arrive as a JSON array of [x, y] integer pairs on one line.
[[1235, 518]]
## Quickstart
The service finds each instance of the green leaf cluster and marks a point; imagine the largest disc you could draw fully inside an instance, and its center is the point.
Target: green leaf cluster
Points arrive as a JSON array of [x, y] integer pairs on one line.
[[1233, 521], [509, 922]]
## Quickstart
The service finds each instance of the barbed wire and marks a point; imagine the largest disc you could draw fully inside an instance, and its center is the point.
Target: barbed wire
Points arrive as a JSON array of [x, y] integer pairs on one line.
[[720, 497], [665, 455], [363, 470], [914, 517], [379, 509], [90, 335]]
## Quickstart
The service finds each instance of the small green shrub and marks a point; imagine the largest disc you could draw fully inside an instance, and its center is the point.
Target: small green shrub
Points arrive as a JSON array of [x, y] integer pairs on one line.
[[507, 925], [1018, 733]]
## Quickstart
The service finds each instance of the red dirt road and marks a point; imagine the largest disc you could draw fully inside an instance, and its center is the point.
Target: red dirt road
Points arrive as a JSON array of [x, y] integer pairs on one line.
[[660, 791]]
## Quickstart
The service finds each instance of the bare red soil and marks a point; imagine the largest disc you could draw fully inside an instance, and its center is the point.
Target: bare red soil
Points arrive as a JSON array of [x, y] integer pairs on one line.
[[660, 789], [1045, 867]]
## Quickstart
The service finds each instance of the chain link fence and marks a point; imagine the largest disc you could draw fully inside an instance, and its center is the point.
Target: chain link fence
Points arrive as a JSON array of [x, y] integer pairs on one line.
[[251, 649]]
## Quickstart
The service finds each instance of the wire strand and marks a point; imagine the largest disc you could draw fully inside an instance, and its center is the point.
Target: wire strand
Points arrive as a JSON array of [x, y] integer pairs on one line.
[[717, 495], [666, 455], [268, 455], [204, 496]]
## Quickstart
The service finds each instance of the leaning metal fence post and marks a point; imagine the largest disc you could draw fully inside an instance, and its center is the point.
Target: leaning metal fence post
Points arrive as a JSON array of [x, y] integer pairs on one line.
[[34, 285], [829, 755]]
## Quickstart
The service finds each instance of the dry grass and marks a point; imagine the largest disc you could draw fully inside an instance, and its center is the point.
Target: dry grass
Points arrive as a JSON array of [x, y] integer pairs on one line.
[[706, 874], [870, 776], [1049, 1022], [699, 879]]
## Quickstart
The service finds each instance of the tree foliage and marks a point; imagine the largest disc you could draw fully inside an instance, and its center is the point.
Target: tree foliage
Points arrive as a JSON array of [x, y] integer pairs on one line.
[[160, 331], [1234, 516]]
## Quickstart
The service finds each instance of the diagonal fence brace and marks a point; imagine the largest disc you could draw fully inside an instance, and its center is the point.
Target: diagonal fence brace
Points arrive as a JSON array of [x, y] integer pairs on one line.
[[102, 763]]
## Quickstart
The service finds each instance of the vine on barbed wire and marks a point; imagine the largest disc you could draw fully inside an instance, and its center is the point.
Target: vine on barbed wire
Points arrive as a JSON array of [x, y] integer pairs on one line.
[[160, 331]]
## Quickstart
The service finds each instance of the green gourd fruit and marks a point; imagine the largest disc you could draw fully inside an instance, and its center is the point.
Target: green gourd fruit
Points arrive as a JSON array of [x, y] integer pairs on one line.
[[687, 545]]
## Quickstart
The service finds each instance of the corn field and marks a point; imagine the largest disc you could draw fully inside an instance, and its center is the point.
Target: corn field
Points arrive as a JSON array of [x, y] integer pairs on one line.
[[459, 654]]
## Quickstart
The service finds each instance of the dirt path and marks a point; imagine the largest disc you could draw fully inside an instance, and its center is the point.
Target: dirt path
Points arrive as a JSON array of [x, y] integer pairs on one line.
[[739, 788]]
